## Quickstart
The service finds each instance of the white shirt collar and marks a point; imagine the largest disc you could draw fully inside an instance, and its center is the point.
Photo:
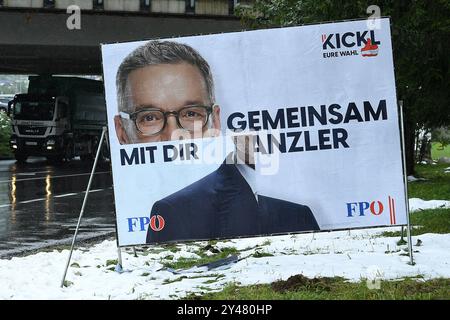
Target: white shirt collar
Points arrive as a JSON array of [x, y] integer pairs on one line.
[[249, 175]]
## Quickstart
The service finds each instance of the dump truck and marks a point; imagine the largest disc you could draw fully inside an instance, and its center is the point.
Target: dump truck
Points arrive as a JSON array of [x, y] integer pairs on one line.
[[59, 118]]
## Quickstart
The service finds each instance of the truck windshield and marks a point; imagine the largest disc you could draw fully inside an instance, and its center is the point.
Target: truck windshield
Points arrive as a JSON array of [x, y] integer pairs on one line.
[[34, 110]]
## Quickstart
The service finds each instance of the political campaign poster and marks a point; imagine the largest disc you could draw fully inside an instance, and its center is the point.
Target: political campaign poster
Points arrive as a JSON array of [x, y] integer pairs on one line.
[[254, 133]]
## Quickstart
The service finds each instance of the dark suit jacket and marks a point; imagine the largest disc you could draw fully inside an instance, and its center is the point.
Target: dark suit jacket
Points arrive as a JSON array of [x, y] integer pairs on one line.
[[222, 205]]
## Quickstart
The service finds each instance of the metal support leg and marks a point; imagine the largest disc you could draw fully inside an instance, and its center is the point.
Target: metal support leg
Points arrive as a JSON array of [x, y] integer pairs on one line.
[[405, 182], [84, 204], [119, 257]]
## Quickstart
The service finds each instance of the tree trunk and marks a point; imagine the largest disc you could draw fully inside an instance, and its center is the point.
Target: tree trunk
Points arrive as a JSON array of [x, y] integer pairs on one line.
[[410, 131], [425, 149]]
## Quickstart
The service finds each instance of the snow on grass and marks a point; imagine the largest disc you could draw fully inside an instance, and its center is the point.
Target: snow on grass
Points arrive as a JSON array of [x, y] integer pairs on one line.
[[412, 179], [350, 254], [416, 204]]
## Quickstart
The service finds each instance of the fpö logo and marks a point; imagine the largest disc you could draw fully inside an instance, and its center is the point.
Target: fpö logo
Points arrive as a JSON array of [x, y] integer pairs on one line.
[[155, 223], [362, 43], [373, 208]]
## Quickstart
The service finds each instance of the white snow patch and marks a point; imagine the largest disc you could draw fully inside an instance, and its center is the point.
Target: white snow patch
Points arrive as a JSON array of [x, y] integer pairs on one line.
[[416, 204], [351, 254], [412, 179]]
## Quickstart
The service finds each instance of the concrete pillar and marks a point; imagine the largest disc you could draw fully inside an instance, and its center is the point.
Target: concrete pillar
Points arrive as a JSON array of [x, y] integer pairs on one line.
[[169, 6], [83, 4], [23, 3], [122, 5], [217, 7]]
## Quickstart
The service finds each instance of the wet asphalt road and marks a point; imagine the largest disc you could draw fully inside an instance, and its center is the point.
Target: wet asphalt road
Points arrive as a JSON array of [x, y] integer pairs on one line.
[[40, 204]]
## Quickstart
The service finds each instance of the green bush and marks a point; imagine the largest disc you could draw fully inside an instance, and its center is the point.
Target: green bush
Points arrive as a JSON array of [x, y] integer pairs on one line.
[[5, 134], [439, 150]]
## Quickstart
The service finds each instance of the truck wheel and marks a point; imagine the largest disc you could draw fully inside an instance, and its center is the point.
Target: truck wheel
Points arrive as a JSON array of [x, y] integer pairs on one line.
[[21, 158]]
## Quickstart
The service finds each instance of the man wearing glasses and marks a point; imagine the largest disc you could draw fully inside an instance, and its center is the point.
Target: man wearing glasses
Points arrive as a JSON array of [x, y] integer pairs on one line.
[[166, 89]]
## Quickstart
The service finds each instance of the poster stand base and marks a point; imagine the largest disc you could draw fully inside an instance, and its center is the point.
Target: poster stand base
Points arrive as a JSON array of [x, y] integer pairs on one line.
[[119, 260], [119, 266], [405, 183], [402, 240]]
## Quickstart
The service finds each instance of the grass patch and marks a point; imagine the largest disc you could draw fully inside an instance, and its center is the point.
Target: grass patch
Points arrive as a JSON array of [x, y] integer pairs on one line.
[[205, 288], [152, 251], [258, 246], [185, 263], [67, 283], [217, 277], [437, 186], [211, 281], [111, 262], [430, 221], [170, 247], [261, 254], [300, 288], [167, 281], [438, 151]]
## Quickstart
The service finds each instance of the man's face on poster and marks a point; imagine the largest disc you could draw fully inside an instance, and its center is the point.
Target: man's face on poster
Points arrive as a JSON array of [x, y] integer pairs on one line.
[[167, 102]]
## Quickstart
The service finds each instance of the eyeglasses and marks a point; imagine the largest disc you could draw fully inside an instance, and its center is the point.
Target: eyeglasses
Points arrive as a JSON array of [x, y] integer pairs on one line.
[[151, 121]]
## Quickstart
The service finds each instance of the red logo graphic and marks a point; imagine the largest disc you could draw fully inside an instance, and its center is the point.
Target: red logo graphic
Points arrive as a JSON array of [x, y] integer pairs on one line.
[[161, 223], [369, 50], [392, 210]]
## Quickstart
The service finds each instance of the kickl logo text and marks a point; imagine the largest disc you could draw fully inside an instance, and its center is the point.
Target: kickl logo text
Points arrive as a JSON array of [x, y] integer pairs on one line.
[[360, 43]]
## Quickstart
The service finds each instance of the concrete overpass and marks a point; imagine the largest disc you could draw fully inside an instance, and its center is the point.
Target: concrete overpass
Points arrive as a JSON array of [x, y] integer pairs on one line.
[[38, 40]]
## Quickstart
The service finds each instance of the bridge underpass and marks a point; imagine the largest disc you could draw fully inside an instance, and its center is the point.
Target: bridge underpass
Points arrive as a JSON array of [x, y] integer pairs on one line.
[[37, 41], [40, 202]]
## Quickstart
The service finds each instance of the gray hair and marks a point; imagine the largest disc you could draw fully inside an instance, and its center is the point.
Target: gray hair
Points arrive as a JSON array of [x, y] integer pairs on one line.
[[160, 52]]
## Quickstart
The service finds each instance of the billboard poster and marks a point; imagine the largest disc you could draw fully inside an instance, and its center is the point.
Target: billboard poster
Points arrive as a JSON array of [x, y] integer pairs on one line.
[[254, 133]]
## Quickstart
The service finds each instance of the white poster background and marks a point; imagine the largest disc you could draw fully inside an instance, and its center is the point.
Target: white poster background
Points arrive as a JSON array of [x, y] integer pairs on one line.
[[272, 69]]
